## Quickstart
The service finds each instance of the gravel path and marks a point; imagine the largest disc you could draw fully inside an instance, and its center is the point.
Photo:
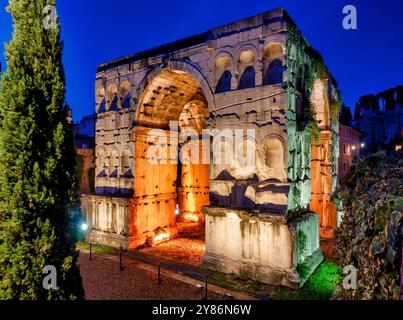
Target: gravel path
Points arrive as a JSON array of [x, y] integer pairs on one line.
[[187, 248], [180, 250], [102, 280]]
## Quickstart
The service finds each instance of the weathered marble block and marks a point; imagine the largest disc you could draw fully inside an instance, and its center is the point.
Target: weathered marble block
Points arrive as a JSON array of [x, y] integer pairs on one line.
[[260, 246]]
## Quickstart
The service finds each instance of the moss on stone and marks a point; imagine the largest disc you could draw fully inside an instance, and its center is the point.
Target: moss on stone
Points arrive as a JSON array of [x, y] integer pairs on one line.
[[305, 65]]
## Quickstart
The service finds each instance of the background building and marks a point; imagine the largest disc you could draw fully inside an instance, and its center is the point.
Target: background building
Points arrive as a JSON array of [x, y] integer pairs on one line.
[[379, 118], [84, 138], [84, 132], [349, 148], [377, 125]]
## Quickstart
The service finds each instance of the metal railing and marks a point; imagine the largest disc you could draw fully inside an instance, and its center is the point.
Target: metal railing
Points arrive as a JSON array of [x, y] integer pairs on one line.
[[159, 264]]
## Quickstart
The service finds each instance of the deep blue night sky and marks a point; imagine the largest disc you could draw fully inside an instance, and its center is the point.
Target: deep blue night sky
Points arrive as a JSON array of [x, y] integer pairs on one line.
[[367, 60]]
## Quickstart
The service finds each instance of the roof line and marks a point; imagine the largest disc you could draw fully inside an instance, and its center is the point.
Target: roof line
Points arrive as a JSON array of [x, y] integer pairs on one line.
[[180, 44]]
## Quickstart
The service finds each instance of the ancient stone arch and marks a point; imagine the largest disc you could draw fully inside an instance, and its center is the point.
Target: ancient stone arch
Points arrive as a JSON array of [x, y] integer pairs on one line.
[[174, 103], [223, 60], [247, 57], [179, 65], [273, 50], [193, 115], [273, 61], [254, 215]]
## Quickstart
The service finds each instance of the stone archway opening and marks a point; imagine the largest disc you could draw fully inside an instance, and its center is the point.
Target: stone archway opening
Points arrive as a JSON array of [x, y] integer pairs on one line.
[[171, 180]]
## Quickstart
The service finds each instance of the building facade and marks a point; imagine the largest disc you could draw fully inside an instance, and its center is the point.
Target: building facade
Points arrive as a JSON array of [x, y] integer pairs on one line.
[[86, 169], [349, 147], [262, 218], [84, 140]]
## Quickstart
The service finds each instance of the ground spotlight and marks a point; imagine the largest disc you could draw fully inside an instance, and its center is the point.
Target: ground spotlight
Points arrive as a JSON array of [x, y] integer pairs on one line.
[[228, 296]]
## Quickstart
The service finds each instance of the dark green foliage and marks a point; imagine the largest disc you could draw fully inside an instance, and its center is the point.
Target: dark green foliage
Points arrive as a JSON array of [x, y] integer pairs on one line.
[[302, 243], [305, 66], [303, 270], [38, 175], [79, 168], [91, 179], [372, 196], [323, 282]]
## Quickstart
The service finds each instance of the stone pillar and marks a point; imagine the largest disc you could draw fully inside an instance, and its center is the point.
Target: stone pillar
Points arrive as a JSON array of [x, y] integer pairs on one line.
[[155, 194], [109, 222], [263, 247], [321, 173], [194, 190]]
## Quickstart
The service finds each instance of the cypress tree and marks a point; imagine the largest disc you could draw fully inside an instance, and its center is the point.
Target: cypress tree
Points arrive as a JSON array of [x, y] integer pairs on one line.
[[37, 162]]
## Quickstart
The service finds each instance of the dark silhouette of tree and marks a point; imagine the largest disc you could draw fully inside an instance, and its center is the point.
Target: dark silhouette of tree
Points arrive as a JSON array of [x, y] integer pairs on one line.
[[38, 182]]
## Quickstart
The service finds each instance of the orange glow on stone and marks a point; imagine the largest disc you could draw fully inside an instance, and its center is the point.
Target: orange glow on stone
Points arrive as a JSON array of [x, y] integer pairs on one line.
[[191, 217], [161, 237]]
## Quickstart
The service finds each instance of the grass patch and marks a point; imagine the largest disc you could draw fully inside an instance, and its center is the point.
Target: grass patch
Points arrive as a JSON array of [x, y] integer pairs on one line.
[[323, 281], [97, 248], [320, 285]]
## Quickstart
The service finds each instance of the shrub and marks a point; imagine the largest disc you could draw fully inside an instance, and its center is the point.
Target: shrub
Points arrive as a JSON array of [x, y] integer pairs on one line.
[[368, 237]]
